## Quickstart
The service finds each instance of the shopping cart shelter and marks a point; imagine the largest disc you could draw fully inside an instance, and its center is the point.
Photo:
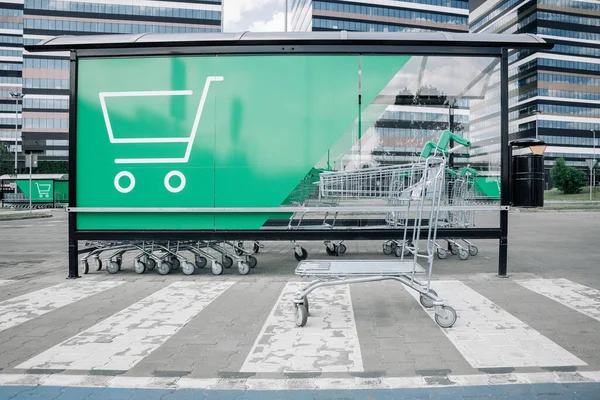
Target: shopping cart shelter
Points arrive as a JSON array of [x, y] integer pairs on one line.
[[222, 136]]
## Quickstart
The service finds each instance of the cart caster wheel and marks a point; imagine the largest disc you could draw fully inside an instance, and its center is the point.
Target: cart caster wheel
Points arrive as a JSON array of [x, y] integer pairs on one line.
[[175, 263], [256, 248], [341, 249], [252, 261], [150, 264], [463, 254], [442, 254], [120, 262], [305, 299], [86, 267], [448, 319], [243, 268], [426, 301], [394, 245], [139, 267], [454, 249], [164, 267], [227, 261], [301, 315], [473, 250], [112, 267], [187, 268], [217, 268], [201, 262], [302, 257], [329, 251], [98, 264], [239, 251], [387, 249]]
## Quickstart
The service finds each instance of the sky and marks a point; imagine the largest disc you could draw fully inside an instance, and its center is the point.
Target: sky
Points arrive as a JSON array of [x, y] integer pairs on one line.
[[254, 15]]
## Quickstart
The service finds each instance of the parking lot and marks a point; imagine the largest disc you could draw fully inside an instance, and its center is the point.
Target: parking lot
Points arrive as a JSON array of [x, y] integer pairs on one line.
[[540, 325]]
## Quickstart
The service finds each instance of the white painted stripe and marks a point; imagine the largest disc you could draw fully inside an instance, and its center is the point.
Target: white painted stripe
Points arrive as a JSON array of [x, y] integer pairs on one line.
[[124, 339], [411, 382], [24, 308], [580, 298], [328, 342], [488, 337]]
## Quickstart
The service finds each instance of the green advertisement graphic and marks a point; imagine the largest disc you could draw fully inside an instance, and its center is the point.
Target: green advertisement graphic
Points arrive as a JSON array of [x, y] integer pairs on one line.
[[205, 131], [41, 190]]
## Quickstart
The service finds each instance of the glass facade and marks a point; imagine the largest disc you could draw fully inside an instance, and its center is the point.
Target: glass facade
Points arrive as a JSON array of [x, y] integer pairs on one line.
[[43, 78], [419, 110], [554, 95]]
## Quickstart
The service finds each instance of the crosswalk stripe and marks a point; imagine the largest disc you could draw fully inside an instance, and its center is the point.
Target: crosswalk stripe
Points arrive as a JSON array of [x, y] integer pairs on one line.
[[573, 295], [489, 337], [23, 308], [328, 342], [124, 339]]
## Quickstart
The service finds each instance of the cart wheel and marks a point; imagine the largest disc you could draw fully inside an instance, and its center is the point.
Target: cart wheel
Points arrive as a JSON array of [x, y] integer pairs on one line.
[[301, 315], [448, 319], [239, 251], [256, 248], [387, 249], [473, 250], [217, 268], [175, 263], [150, 264], [454, 249], [98, 264], [342, 249], [442, 254], [139, 267], [187, 268], [227, 261], [426, 301], [86, 267], [164, 267], [305, 299], [394, 245], [243, 268], [329, 251], [463, 254], [120, 262], [201, 262], [112, 267], [304, 255], [252, 261]]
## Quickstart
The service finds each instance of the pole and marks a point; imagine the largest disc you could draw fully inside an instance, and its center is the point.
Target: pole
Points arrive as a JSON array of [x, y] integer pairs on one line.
[[286, 15], [30, 193], [593, 169], [16, 136], [504, 166]]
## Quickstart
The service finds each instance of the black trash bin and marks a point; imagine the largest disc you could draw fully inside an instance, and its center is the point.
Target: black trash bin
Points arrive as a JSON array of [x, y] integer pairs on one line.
[[527, 172]]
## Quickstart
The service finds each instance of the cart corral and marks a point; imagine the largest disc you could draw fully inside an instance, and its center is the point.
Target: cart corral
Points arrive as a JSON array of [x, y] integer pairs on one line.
[[183, 147]]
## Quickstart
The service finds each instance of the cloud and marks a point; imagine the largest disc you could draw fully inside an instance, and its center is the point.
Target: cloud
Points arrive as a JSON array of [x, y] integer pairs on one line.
[[234, 10], [275, 24]]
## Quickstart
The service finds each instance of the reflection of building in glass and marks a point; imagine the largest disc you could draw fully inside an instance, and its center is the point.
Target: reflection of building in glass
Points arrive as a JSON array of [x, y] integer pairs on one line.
[[554, 95], [415, 113], [45, 76]]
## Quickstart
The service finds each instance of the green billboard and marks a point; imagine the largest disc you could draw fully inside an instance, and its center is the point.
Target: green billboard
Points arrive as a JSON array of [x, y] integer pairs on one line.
[[207, 131], [42, 190]]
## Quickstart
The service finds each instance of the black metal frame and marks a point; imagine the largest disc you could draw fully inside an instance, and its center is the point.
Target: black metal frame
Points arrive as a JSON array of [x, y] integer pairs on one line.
[[133, 49]]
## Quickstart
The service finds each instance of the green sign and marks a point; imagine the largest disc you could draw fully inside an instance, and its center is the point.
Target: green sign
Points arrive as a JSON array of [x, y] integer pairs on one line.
[[41, 190], [61, 191], [205, 131]]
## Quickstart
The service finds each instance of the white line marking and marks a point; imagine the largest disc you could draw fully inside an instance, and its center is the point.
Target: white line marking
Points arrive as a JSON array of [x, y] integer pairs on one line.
[[488, 336], [23, 308], [412, 382], [573, 295], [328, 342], [124, 339]]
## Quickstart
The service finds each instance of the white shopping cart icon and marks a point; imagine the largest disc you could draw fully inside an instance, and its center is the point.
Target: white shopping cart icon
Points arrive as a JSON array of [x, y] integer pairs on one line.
[[43, 190], [189, 140]]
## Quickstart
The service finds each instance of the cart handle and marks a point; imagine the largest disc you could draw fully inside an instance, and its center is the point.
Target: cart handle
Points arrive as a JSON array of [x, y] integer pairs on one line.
[[442, 144]]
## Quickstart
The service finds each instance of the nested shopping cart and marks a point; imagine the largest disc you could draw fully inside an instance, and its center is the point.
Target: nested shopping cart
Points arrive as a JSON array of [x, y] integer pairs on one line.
[[414, 193], [186, 142]]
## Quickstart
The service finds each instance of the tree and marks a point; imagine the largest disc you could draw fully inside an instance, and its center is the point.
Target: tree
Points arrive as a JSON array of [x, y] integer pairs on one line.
[[6, 162], [568, 180]]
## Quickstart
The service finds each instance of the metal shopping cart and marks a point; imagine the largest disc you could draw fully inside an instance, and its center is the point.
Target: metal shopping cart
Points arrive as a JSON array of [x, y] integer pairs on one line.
[[187, 142], [415, 190], [43, 189]]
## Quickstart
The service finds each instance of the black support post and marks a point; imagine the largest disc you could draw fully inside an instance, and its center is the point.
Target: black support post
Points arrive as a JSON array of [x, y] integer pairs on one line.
[[73, 245], [505, 166]]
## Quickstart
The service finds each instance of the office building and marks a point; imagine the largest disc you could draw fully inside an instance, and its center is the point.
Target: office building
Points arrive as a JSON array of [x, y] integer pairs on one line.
[[554, 95], [43, 78]]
